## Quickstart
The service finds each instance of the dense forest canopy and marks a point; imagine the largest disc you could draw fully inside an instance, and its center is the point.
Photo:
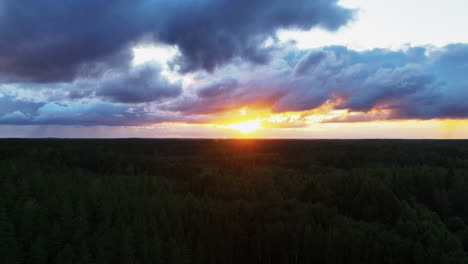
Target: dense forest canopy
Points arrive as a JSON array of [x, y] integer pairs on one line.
[[233, 201]]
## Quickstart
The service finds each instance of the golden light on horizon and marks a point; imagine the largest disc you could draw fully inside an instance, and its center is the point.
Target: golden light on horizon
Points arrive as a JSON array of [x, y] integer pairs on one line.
[[322, 122], [247, 126]]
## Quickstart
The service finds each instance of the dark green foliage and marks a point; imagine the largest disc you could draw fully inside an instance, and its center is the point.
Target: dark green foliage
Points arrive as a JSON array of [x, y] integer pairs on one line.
[[233, 201], [37, 252], [8, 243]]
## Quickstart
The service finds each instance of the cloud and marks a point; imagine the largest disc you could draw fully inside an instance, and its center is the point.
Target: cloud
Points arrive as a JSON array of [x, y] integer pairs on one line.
[[89, 114], [309, 62], [48, 41], [18, 112], [214, 32], [10, 104], [359, 117], [224, 95], [221, 87], [77, 114], [412, 83], [140, 84], [380, 84], [143, 84], [14, 118]]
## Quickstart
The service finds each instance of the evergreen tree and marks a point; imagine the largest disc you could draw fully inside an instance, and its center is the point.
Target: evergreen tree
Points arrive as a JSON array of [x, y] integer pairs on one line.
[[8, 243], [38, 253]]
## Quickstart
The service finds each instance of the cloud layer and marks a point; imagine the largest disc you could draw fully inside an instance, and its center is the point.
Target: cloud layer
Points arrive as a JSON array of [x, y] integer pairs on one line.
[[48, 41], [414, 83], [72, 63]]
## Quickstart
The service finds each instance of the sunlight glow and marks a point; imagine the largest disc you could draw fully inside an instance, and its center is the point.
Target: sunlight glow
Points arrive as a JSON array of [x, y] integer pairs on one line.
[[322, 122], [247, 126]]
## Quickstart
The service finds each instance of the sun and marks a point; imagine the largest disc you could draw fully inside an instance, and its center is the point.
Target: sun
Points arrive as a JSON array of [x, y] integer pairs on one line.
[[247, 126]]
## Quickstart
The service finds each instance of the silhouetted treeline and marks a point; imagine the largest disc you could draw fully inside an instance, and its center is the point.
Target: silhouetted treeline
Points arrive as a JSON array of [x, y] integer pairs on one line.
[[233, 201]]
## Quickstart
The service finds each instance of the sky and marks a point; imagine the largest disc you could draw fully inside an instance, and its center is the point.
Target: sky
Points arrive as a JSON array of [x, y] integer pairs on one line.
[[234, 69]]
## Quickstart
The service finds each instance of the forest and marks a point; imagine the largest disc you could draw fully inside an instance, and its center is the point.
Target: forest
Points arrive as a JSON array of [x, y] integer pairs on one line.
[[177, 201]]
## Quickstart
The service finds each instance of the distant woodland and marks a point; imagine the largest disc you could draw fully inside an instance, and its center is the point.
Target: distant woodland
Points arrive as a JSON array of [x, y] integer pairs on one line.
[[142, 201]]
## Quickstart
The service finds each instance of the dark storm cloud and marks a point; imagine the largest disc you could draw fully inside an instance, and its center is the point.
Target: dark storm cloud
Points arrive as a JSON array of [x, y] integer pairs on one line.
[[48, 40], [213, 32]]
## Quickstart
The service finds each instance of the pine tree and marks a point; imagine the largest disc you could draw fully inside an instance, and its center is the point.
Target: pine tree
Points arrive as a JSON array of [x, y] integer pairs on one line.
[[85, 256], [8, 243], [68, 255], [56, 239], [155, 250], [128, 250], [37, 253]]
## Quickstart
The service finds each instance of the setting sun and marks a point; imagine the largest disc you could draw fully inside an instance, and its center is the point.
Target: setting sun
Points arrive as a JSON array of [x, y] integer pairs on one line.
[[247, 126]]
